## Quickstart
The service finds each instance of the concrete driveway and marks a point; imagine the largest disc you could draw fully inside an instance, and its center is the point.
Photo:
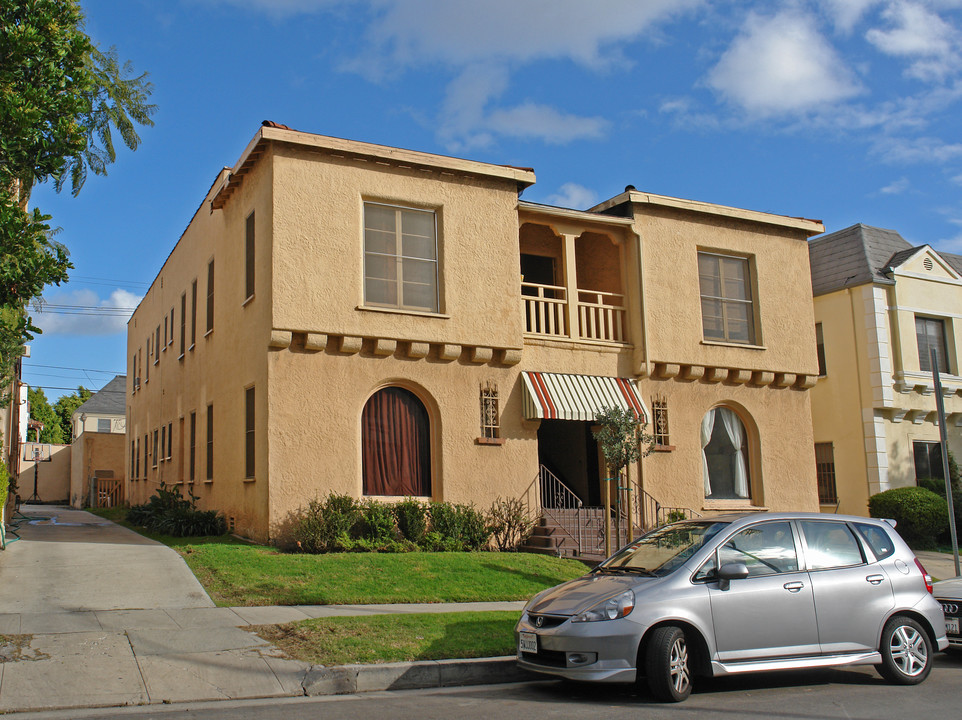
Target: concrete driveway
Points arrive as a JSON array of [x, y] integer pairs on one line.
[[70, 561]]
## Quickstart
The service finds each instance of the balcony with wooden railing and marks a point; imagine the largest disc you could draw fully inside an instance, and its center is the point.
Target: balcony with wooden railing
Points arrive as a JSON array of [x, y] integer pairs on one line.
[[596, 316]]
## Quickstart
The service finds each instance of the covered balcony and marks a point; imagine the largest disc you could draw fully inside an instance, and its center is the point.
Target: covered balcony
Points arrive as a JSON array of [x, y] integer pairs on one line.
[[572, 283]]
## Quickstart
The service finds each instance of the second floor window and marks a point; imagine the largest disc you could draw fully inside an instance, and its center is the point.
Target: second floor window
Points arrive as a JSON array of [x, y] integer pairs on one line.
[[930, 333], [400, 258], [727, 310], [210, 296]]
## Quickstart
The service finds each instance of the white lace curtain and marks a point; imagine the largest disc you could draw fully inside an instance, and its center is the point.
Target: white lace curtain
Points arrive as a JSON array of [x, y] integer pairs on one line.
[[736, 436]]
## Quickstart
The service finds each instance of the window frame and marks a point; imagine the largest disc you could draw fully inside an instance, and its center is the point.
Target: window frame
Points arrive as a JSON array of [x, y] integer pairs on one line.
[[825, 476], [930, 446], [192, 474], [209, 439], [249, 247], [750, 302], [210, 298], [250, 412], [399, 258], [940, 342]]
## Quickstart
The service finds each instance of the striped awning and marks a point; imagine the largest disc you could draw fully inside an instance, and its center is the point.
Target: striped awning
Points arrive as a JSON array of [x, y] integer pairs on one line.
[[553, 396]]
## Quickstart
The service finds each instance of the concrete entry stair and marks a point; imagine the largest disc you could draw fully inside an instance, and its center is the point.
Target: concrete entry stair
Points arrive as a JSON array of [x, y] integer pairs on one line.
[[568, 533]]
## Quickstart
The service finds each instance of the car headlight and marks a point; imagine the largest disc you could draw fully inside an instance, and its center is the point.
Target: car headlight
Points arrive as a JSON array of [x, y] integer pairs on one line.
[[611, 609]]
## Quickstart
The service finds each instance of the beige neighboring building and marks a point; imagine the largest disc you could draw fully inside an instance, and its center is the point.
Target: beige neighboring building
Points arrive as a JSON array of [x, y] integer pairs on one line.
[[881, 304], [347, 317]]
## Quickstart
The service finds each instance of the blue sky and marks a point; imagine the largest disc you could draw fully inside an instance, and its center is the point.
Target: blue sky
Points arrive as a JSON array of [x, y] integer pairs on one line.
[[842, 110]]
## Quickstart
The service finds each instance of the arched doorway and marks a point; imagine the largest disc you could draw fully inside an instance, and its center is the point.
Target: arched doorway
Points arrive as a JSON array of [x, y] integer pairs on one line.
[[396, 444]]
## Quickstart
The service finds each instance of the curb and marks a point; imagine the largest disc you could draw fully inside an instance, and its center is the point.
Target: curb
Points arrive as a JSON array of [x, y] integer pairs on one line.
[[350, 679]]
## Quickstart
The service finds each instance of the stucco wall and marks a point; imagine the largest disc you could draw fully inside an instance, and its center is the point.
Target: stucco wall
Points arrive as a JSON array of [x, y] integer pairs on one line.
[[90, 454], [53, 477]]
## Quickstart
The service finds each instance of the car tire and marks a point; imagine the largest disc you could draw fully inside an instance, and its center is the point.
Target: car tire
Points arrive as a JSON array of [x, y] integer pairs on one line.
[[906, 651], [667, 665]]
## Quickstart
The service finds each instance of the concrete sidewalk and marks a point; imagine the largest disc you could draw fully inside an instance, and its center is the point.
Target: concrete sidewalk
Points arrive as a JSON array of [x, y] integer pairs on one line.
[[96, 615]]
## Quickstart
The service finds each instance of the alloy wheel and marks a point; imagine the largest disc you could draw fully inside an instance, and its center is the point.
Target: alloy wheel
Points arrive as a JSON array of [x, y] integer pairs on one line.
[[908, 650]]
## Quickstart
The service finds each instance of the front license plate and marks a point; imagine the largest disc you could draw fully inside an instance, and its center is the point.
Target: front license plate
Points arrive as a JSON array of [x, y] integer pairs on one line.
[[528, 643], [952, 626]]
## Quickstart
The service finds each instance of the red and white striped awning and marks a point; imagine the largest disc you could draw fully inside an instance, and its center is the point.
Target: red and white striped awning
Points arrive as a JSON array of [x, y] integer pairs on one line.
[[554, 396]]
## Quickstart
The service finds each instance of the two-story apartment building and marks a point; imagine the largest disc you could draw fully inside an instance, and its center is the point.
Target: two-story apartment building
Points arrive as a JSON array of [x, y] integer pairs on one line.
[[347, 317], [881, 305]]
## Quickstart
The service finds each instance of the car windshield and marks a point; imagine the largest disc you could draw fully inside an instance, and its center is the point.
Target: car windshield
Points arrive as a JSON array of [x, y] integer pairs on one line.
[[661, 551]]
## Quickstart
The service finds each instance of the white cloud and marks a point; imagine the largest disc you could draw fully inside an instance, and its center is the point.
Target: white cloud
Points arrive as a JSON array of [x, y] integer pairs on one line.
[[896, 187], [573, 195], [957, 179], [530, 120], [87, 313], [846, 13], [915, 33], [917, 150], [781, 65]]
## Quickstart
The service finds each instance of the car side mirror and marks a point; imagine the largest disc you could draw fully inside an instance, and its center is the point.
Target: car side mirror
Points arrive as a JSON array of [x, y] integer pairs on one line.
[[729, 572]]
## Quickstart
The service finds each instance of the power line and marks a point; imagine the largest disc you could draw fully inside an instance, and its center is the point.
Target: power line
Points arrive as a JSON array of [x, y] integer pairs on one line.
[[63, 367]]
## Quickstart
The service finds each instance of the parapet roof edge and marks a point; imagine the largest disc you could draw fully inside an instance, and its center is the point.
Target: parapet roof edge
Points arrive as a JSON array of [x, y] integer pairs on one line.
[[524, 177], [812, 227], [563, 212]]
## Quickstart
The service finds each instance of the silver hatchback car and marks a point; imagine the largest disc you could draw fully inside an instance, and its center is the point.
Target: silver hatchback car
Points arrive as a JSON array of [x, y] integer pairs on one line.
[[735, 594]]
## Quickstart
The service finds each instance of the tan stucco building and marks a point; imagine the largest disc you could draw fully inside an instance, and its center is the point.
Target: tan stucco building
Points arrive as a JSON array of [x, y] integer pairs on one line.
[[341, 316], [881, 304]]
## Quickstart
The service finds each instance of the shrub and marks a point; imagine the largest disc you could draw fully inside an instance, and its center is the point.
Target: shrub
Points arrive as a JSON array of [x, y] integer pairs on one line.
[[412, 520], [169, 513], [465, 526], [509, 523], [328, 525], [377, 523], [920, 515]]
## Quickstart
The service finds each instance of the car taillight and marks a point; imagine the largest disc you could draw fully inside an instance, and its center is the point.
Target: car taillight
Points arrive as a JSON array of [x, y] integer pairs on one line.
[[925, 576]]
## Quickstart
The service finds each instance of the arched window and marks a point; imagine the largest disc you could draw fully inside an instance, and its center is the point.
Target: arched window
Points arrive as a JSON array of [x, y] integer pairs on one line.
[[725, 455], [396, 444]]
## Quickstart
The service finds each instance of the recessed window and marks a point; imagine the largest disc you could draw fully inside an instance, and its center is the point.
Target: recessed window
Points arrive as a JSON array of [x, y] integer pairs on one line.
[[249, 258], [659, 413], [396, 444], [820, 349], [210, 296], [928, 460], [183, 322], [193, 446], [249, 433], [400, 258], [193, 313], [930, 333], [825, 473], [103, 425], [210, 442], [724, 446], [727, 310], [490, 415]]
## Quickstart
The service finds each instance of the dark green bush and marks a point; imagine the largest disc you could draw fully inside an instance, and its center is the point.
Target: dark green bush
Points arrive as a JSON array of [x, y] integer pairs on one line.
[[169, 513], [377, 523], [465, 526], [412, 519], [920, 514], [328, 525]]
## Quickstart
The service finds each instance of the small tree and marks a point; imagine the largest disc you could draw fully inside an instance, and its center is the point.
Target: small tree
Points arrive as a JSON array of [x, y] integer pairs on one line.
[[623, 441]]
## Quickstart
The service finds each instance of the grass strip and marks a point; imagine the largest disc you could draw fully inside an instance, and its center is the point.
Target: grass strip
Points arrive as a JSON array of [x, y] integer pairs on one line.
[[237, 573], [395, 638]]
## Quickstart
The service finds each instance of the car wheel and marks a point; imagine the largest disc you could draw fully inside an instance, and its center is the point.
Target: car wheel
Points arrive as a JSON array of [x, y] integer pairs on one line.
[[667, 664], [906, 651]]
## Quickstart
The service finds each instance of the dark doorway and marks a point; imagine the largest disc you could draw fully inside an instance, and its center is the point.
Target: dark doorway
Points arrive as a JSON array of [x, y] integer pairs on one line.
[[537, 269], [569, 450]]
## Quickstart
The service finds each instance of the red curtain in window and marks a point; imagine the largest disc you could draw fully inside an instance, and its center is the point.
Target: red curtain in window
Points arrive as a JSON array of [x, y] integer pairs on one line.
[[396, 445]]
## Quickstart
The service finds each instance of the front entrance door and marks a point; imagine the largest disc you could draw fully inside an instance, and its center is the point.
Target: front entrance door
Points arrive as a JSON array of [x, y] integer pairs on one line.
[[569, 450]]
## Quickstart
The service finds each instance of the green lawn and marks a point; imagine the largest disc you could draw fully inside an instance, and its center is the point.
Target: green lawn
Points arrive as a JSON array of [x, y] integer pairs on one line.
[[395, 638], [234, 573]]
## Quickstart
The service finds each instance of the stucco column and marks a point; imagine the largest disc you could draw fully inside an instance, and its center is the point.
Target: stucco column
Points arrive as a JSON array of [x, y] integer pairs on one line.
[[571, 285]]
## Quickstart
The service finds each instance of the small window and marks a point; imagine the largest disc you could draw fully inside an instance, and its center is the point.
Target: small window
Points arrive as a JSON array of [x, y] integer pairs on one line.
[[249, 433], [727, 309], [400, 258], [163, 442], [193, 314], [193, 446], [170, 338], [765, 549], [137, 454], [930, 334], [133, 458], [157, 346], [825, 473], [490, 416], [147, 378], [210, 296], [103, 425], [249, 258], [156, 452], [830, 545], [210, 442], [877, 539], [170, 440], [183, 323], [146, 450], [659, 414], [820, 349], [928, 460]]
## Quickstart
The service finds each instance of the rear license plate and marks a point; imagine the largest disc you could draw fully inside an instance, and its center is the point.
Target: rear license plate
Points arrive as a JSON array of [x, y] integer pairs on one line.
[[952, 625], [528, 643]]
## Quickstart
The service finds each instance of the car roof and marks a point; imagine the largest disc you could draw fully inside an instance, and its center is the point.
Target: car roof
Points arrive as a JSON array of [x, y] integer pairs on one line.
[[746, 518]]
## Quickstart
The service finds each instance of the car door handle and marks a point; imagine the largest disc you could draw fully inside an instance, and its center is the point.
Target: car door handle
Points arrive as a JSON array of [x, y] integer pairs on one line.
[[875, 579], [793, 587]]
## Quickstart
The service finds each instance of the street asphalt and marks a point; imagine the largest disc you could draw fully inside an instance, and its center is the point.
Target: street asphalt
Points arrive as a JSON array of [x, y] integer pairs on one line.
[[95, 615]]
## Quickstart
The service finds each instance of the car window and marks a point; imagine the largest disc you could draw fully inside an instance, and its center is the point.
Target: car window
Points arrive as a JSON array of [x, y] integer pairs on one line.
[[877, 539], [830, 545], [766, 549]]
